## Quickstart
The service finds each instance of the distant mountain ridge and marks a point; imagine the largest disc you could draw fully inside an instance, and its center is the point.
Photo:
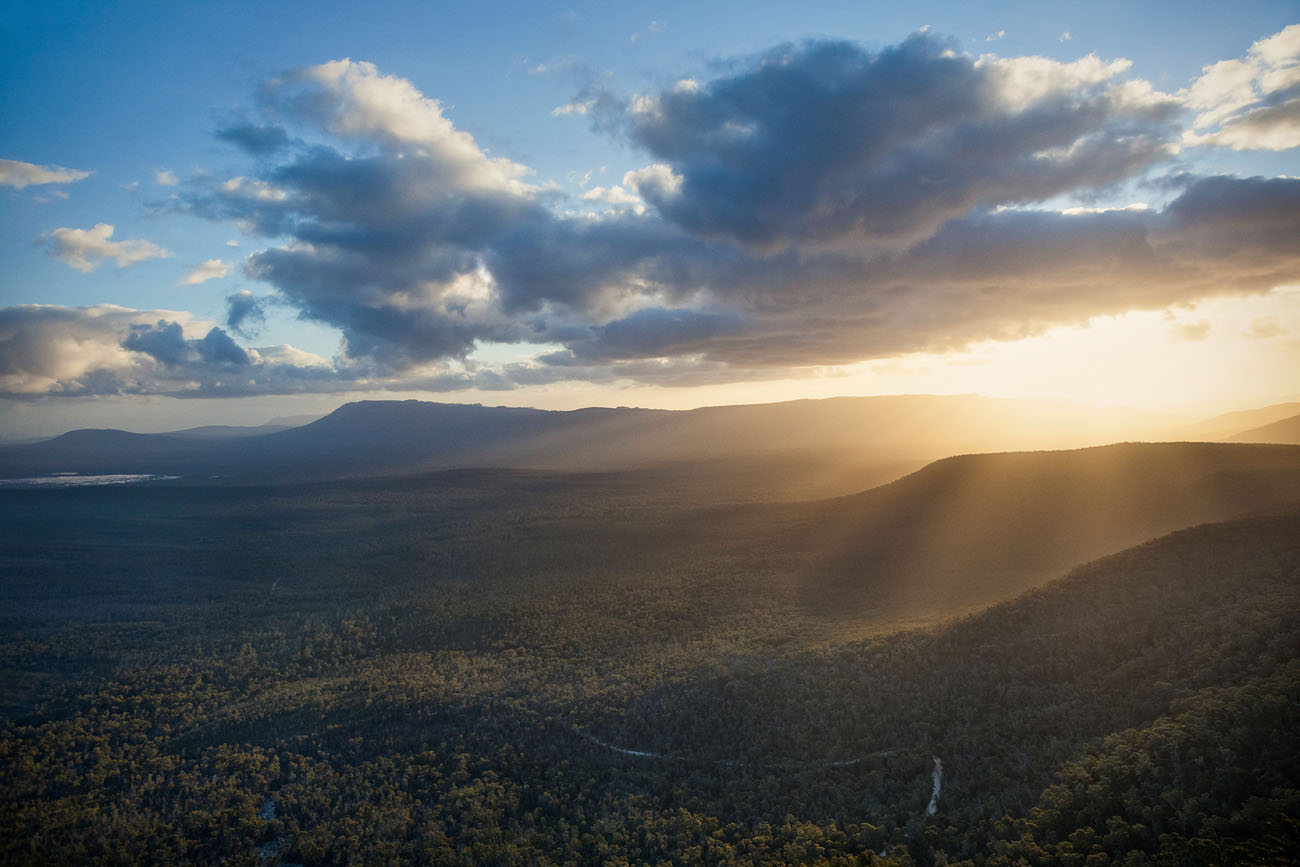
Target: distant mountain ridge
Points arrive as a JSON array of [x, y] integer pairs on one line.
[[1285, 431], [368, 437], [1222, 427]]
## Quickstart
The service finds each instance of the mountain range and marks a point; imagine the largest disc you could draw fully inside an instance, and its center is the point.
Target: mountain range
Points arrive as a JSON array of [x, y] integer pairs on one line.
[[394, 437]]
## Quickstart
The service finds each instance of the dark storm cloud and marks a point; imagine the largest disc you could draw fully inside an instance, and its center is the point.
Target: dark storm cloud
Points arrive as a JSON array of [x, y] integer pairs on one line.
[[825, 140], [166, 343], [244, 312], [218, 347], [655, 332], [398, 317], [581, 263]]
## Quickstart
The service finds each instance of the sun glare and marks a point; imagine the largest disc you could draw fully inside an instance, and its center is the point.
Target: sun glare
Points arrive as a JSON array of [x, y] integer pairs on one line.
[[1220, 350]]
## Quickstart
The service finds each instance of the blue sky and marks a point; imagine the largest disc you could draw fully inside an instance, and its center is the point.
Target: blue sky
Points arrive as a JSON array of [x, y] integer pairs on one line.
[[627, 203]]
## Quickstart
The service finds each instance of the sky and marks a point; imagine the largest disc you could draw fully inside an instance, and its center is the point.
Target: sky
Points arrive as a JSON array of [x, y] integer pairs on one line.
[[226, 213]]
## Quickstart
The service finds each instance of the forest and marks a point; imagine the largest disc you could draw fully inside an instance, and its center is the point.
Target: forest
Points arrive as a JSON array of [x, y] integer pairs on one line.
[[1047, 658]]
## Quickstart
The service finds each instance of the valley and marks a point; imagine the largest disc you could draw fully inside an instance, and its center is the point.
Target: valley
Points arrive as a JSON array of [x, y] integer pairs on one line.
[[684, 662]]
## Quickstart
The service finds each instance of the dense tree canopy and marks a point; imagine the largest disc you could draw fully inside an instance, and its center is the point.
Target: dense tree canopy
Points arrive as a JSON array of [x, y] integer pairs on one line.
[[523, 668]]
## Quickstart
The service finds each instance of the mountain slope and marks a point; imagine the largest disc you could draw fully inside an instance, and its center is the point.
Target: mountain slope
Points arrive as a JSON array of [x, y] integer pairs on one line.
[[1285, 431], [1221, 426], [1180, 652], [968, 530]]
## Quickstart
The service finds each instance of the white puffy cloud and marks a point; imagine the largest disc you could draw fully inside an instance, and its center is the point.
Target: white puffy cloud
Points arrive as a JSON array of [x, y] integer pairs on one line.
[[352, 99], [19, 175], [165, 178], [1250, 103], [615, 195], [212, 269], [657, 179], [284, 355], [242, 187], [580, 107], [46, 349], [52, 350], [1020, 82], [85, 249]]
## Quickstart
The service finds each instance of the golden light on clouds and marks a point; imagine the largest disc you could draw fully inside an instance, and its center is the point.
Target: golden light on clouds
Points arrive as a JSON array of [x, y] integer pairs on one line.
[[1220, 352]]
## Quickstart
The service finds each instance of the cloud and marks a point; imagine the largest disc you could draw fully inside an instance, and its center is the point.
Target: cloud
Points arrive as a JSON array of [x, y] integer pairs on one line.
[[655, 333], [825, 141], [212, 269], [1250, 103], [84, 249], [244, 312], [20, 175], [257, 139], [165, 342], [1191, 332], [165, 178], [1064, 37], [354, 101], [1264, 328], [580, 107], [562, 64], [50, 350], [654, 28], [1268, 127], [614, 195], [818, 204]]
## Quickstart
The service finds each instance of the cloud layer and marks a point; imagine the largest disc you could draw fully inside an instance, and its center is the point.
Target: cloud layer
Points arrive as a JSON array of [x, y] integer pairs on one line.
[[817, 204]]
